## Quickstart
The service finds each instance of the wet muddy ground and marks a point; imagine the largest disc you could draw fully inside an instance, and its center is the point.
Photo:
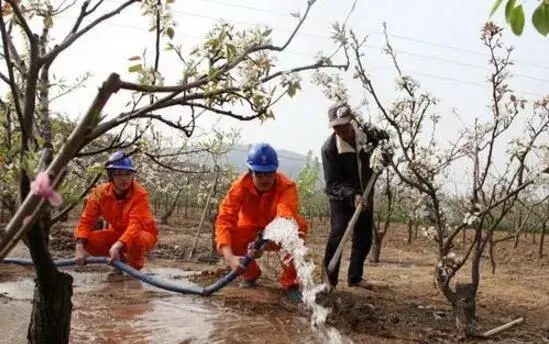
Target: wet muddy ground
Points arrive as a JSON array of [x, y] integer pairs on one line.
[[402, 305]]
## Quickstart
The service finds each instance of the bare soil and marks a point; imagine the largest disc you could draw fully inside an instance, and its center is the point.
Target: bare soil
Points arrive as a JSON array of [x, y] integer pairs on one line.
[[402, 306]]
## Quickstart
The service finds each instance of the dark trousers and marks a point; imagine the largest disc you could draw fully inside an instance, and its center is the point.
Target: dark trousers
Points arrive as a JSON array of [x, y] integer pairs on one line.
[[341, 213]]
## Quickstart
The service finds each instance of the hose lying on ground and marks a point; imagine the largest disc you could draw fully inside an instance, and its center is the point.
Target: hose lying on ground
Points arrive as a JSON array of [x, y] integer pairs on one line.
[[183, 289]]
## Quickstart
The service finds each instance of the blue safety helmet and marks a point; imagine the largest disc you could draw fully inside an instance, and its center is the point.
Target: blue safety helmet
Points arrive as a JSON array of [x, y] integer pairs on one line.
[[262, 157], [119, 161]]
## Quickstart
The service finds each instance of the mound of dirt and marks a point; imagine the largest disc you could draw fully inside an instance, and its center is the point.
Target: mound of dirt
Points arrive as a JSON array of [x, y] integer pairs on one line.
[[175, 252], [62, 242], [169, 251]]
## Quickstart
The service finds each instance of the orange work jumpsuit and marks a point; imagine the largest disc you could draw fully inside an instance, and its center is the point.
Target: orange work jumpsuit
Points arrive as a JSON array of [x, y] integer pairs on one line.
[[129, 220], [244, 212]]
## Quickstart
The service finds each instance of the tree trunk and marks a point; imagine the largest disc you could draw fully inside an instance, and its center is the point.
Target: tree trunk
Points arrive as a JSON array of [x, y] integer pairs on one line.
[[517, 238], [376, 248], [52, 306], [464, 239], [465, 310], [410, 231], [164, 219], [377, 238], [518, 229], [51, 311], [213, 250], [203, 217], [542, 239], [416, 228]]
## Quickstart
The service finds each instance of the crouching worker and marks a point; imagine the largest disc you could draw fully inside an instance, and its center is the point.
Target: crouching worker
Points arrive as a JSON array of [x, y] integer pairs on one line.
[[253, 201], [124, 204]]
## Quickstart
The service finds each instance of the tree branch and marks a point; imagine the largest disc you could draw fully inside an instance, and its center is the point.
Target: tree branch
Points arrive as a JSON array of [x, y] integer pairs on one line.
[[9, 64], [162, 120], [32, 204], [18, 63], [487, 210], [5, 78], [73, 36], [71, 88], [22, 21], [81, 16], [229, 65], [170, 168], [226, 112], [319, 64], [113, 146], [71, 206], [60, 9]]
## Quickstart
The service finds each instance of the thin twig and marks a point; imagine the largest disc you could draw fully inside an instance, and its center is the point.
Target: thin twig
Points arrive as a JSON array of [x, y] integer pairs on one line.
[[22, 21], [11, 76], [73, 36]]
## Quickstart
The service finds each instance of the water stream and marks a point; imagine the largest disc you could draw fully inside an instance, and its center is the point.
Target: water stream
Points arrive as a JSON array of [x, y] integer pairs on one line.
[[285, 232], [127, 311]]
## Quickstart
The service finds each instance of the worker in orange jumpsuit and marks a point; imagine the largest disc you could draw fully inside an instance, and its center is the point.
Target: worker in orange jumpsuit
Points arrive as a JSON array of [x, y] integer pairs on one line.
[[124, 205], [253, 201]]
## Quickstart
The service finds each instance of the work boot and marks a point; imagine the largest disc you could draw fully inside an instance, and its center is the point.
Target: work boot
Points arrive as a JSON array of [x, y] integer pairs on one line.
[[355, 284], [370, 285], [247, 283], [294, 294]]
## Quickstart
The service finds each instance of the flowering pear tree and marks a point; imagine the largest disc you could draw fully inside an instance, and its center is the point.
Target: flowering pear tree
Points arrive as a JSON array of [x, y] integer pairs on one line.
[[210, 184], [542, 213], [543, 216], [410, 208], [171, 166], [391, 197], [231, 67], [423, 162]]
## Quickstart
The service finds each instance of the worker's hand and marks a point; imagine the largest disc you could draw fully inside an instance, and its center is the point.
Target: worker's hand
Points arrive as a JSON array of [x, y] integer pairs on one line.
[[365, 202], [114, 252], [358, 200], [80, 254], [234, 262], [271, 246], [386, 157], [257, 253]]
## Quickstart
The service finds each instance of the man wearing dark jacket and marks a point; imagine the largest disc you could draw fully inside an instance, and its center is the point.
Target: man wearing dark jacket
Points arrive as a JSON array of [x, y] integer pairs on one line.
[[347, 170]]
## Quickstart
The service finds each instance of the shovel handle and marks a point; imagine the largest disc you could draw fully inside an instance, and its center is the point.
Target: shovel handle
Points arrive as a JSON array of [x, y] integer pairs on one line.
[[352, 222]]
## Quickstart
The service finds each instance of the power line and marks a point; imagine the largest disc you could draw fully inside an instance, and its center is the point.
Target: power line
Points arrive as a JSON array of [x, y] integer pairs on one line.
[[405, 38], [411, 72], [197, 15], [370, 46]]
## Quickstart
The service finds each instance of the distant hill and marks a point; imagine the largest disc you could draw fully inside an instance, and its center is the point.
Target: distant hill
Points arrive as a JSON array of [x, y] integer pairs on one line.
[[290, 162]]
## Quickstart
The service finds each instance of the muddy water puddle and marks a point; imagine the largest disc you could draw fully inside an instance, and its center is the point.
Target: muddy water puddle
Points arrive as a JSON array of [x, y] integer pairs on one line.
[[108, 308]]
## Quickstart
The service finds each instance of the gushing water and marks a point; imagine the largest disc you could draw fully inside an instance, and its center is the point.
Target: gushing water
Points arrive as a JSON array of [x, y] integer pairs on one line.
[[285, 233]]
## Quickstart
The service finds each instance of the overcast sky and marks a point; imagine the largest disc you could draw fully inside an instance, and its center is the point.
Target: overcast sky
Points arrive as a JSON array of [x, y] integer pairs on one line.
[[437, 42]]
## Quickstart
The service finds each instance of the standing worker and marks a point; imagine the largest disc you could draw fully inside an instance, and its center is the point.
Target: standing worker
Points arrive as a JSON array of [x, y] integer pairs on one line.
[[347, 170], [253, 201], [124, 204]]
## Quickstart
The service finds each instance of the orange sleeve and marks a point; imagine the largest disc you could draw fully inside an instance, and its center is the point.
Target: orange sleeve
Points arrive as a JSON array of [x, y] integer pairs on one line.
[[139, 214], [227, 217], [288, 203], [89, 217], [288, 206]]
